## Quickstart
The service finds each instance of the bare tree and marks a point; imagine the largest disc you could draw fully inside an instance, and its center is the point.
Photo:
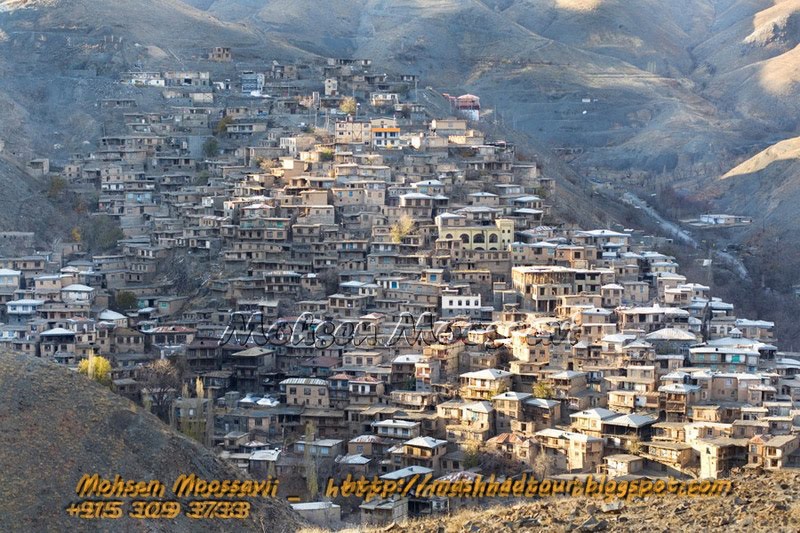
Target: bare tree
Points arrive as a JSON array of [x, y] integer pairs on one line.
[[634, 445], [162, 381], [543, 465], [310, 463]]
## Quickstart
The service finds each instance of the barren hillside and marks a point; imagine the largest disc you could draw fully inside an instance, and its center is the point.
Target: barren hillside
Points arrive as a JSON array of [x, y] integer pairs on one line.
[[58, 425], [749, 60], [767, 188]]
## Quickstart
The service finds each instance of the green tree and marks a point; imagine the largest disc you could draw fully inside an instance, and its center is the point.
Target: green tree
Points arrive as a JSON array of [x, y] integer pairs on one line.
[[194, 421], [543, 465], [211, 147], [202, 178], [125, 300], [634, 445], [267, 164], [222, 124], [56, 187], [500, 389], [472, 455], [329, 279], [101, 233], [97, 368]]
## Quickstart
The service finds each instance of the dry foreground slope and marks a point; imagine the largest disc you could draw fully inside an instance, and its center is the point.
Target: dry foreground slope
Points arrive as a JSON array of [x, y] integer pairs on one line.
[[56, 425], [759, 502]]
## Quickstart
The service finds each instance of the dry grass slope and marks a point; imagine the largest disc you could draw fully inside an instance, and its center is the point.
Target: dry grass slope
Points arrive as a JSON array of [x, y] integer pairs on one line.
[[759, 503]]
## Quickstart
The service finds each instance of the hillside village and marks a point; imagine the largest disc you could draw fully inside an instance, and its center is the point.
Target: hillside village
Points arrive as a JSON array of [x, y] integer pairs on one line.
[[337, 194]]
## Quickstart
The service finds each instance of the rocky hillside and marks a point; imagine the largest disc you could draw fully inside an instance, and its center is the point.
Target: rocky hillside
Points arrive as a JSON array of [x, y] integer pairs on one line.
[[58, 426], [23, 194], [759, 503]]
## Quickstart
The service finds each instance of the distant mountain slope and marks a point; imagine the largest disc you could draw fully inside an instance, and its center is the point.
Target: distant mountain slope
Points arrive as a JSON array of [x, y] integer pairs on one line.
[[646, 33], [750, 60], [58, 426], [673, 85], [784, 150], [535, 61], [170, 21], [765, 186]]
